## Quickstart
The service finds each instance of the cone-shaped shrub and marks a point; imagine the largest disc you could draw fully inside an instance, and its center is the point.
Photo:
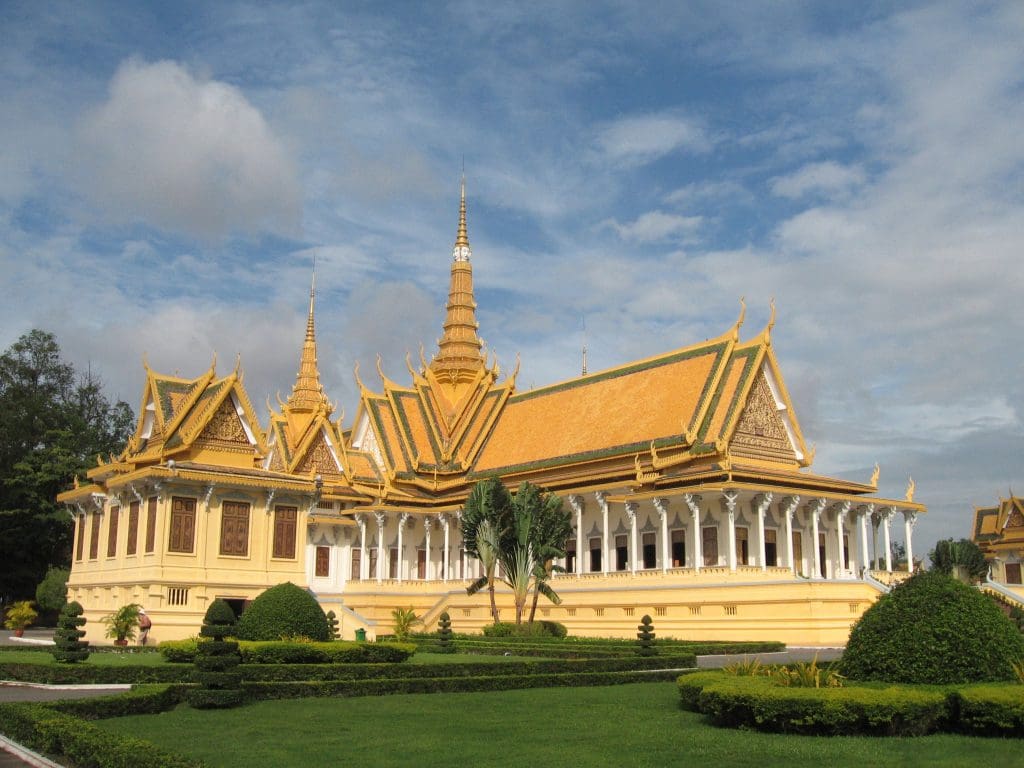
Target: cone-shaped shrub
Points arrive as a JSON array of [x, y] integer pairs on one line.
[[444, 634], [645, 637], [284, 611], [69, 647], [216, 660], [932, 629], [332, 625]]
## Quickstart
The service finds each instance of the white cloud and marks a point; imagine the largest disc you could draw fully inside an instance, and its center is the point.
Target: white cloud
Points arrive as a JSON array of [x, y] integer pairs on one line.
[[640, 139], [187, 155], [829, 178], [655, 226]]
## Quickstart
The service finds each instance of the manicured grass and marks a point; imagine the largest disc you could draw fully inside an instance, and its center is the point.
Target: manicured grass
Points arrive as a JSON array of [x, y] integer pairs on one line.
[[628, 725], [103, 659]]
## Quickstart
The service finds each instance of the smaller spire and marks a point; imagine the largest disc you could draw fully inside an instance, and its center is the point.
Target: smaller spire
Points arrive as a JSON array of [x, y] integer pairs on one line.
[[308, 393], [462, 251]]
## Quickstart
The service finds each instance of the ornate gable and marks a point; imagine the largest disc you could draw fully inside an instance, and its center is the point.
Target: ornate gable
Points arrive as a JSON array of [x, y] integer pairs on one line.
[[224, 428], [319, 459], [760, 431]]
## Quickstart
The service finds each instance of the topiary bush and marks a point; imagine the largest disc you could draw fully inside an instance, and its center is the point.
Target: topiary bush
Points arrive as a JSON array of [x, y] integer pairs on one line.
[[69, 647], [645, 637], [284, 611], [932, 629], [217, 661], [444, 634], [332, 625]]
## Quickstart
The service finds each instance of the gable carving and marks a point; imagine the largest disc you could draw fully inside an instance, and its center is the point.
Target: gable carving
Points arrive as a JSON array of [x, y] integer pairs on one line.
[[760, 432], [1015, 520], [225, 426], [318, 459]]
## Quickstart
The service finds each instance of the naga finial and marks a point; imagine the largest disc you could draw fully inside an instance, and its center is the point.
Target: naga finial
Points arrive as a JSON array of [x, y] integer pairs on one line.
[[875, 474], [740, 319], [911, 487]]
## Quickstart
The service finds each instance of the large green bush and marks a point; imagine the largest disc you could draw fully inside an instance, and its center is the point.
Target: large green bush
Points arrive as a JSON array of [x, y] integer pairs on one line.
[[284, 611], [932, 629]]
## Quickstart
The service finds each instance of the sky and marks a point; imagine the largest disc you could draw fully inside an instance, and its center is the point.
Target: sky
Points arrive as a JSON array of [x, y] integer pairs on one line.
[[169, 172]]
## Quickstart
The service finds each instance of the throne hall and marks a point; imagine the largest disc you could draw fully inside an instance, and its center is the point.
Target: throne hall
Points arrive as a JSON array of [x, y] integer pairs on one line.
[[687, 476]]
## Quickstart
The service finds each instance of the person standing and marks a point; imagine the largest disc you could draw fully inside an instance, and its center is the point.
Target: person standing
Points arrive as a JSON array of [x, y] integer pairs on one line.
[[145, 624]]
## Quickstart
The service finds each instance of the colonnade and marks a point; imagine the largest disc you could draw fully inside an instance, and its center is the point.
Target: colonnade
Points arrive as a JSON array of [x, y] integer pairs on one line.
[[812, 536]]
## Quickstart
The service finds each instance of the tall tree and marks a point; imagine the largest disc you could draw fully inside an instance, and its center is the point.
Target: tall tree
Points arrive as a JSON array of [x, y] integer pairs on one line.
[[523, 534], [486, 532], [53, 423]]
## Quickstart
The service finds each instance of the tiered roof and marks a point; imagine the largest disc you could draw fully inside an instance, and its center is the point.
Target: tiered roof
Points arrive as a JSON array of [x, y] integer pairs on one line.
[[713, 411], [1000, 527]]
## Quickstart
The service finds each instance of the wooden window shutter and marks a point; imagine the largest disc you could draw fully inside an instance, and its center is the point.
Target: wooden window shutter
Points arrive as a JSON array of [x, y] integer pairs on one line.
[[115, 512], [323, 562], [80, 520], [151, 524], [183, 525], [284, 532], [133, 528], [94, 537], [234, 528]]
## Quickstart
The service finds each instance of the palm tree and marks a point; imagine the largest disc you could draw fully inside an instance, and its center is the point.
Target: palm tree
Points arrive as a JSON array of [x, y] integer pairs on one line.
[[523, 534], [552, 527], [486, 531]]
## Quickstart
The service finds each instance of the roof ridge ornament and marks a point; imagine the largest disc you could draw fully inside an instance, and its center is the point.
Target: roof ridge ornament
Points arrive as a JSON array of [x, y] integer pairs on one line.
[[739, 320]]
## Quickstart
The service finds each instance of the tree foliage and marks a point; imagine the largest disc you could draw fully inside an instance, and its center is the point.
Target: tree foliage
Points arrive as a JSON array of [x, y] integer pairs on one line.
[[53, 423], [524, 534], [52, 592], [950, 555]]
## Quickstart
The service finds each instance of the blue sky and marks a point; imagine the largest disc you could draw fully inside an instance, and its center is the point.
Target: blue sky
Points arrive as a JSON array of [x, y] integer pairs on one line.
[[168, 172]]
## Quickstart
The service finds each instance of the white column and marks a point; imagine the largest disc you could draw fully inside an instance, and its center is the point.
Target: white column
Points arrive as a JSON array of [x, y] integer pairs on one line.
[[462, 546], [875, 520], [428, 524], [762, 507], [730, 511], [794, 501], [606, 559], [381, 553], [693, 502], [886, 521], [816, 511], [631, 508], [576, 502], [662, 506], [909, 519], [865, 557], [446, 551], [403, 519], [842, 510], [364, 563]]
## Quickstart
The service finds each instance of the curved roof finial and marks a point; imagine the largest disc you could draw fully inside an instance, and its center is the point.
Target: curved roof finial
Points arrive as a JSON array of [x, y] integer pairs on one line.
[[771, 317], [740, 319]]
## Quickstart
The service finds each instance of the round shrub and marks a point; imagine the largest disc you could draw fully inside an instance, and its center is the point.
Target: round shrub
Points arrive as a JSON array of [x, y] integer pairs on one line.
[[284, 611], [932, 629]]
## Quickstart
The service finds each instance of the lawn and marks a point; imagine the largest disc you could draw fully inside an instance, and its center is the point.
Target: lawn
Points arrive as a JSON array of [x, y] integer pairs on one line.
[[628, 725]]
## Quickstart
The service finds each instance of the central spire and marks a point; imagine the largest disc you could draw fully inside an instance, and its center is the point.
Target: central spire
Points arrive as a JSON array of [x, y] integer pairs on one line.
[[459, 356], [308, 393]]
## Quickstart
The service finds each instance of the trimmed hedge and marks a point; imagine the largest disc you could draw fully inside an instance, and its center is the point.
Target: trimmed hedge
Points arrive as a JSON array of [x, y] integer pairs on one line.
[[181, 673], [932, 629], [988, 709], [876, 709], [287, 652], [47, 730], [383, 687]]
